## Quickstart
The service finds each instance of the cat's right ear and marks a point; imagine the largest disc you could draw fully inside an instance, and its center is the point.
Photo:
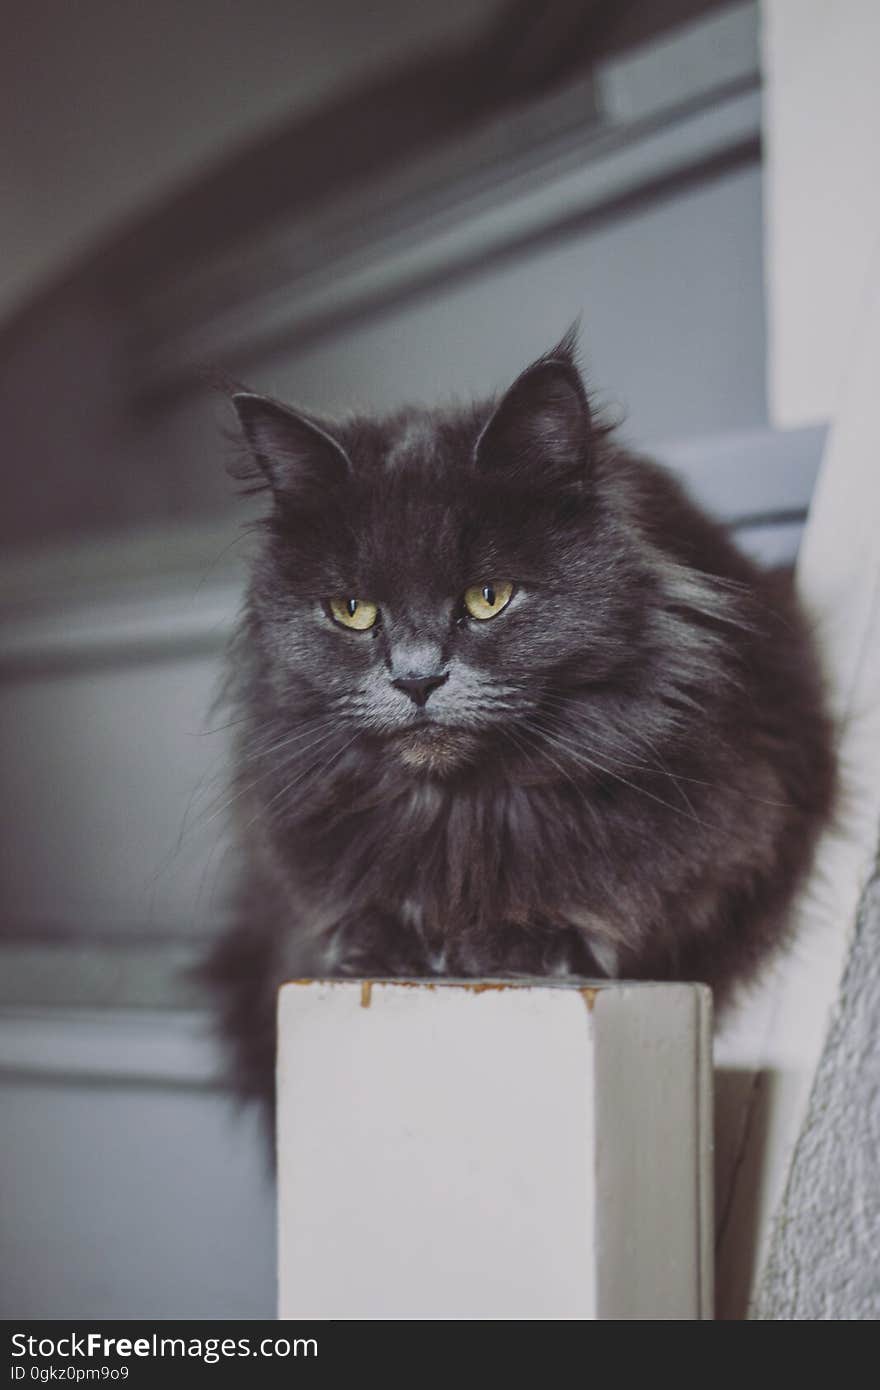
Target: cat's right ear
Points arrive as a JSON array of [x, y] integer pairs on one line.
[[302, 463]]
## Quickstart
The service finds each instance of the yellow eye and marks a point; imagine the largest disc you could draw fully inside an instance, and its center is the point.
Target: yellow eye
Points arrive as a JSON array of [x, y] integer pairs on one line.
[[355, 613], [486, 600]]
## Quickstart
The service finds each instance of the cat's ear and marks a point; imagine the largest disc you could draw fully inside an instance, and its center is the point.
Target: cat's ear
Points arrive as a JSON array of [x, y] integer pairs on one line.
[[301, 461], [540, 430]]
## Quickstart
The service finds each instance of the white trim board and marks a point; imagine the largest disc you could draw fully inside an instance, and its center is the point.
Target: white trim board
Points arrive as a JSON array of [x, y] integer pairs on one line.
[[97, 1046], [778, 1035], [822, 130]]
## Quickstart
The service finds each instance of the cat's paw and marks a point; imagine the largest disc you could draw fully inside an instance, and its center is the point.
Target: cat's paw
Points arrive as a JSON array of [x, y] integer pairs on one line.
[[380, 949]]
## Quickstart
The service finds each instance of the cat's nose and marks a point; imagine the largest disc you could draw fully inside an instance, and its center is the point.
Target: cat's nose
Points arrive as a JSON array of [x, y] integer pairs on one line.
[[420, 688]]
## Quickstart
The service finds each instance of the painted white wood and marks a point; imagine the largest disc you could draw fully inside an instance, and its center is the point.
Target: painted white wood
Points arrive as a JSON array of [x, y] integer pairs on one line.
[[822, 193], [681, 66], [185, 617], [653, 1158], [776, 1037], [122, 1045], [486, 1151]]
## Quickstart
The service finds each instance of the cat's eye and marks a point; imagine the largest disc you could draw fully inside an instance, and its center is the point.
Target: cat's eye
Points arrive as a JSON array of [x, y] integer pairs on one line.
[[484, 601], [355, 613]]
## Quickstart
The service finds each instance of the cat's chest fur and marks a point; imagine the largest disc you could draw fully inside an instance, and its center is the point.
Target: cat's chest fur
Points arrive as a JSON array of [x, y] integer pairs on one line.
[[423, 876]]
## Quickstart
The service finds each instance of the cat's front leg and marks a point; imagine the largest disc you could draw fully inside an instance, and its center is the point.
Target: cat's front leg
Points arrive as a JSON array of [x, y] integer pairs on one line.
[[381, 943], [540, 950]]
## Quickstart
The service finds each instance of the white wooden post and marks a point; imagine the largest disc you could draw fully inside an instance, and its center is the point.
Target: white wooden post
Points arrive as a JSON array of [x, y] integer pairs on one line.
[[524, 1150], [822, 122]]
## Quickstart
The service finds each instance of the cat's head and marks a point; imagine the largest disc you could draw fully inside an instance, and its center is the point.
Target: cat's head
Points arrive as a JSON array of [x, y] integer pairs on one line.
[[432, 580]]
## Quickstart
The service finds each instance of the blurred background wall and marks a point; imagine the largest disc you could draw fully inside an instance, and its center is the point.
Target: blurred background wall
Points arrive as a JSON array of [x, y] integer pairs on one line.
[[106, 107], [345, 204]]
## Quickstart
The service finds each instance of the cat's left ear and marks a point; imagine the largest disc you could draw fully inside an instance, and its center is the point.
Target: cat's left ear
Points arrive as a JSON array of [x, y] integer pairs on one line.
[[540, 431]]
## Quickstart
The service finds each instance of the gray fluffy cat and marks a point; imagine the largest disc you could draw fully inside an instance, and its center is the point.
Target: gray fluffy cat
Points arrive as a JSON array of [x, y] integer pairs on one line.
[[511, 704]]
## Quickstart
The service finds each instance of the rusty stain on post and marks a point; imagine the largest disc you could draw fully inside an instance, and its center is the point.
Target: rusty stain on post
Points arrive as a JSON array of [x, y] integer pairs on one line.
[[482, 988], [588, 993]]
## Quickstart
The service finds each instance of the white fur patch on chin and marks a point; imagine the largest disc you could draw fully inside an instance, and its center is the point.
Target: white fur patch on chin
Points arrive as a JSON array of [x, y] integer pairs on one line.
[[435, 750]]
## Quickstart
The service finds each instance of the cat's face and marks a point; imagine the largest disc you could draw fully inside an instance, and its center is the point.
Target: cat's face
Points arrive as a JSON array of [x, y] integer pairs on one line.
[[433, 581]]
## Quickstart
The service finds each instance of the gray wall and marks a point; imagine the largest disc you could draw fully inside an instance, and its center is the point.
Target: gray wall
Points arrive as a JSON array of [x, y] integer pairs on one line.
[[672, 322], [109, 105], [132, 1199]]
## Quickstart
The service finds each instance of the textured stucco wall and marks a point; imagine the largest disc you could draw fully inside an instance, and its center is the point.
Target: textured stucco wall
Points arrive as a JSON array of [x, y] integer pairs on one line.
[[824, 1260]]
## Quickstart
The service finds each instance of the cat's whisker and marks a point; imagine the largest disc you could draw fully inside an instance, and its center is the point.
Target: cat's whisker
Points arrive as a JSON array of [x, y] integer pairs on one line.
[[651, 769], [292, 785], [254, 759], [613, 747], [660, 768], [585, 695], [220, 728], [241, 791], [612, 740], [542, 753], [592, 762], [256, 752], [216, 806], [579, 756]]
